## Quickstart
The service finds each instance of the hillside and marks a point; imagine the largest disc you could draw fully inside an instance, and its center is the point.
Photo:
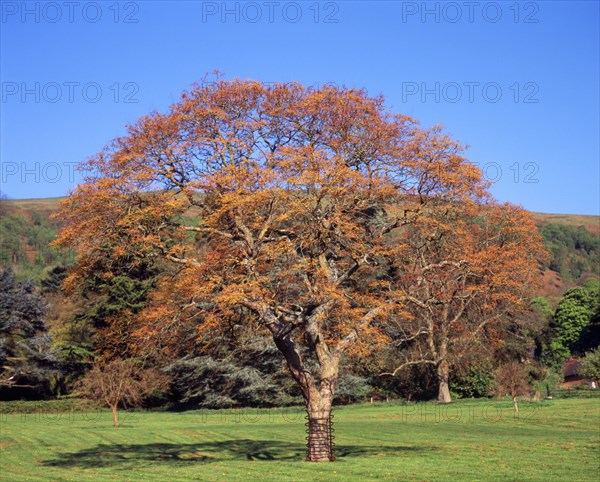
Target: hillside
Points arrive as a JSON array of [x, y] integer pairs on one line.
[[590, 223], [46, 206], [25, 207], [26, 230]]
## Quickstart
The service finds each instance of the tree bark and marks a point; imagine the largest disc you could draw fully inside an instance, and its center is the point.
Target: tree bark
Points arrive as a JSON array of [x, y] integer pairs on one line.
[[516, 405], [114, 415], [443, 372], [443, 368], [319, 447]]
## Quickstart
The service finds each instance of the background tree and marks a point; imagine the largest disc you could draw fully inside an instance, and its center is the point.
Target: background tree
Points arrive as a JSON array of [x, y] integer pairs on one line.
[[573, 323], [473, 268], [94, 320], [590, 365], [72, 334], [542, 306], [512, 379], [297, 192], [26, 360], [121, 383], [237, 369]]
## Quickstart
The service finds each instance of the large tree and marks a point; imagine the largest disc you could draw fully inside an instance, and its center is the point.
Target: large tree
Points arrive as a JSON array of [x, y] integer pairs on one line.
[[278, 204], [467, 271]]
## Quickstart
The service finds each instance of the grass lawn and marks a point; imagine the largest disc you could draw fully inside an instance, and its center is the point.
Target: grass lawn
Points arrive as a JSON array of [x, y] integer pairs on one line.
[[469, 440]]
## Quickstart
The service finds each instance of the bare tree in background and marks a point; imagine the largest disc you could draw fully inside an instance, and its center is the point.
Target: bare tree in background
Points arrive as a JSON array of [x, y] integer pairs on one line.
[[512, 379], [121, 382]]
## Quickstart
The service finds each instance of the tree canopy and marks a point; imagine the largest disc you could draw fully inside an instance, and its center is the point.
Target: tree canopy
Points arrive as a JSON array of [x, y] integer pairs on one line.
[[301, 202], [470, 270]]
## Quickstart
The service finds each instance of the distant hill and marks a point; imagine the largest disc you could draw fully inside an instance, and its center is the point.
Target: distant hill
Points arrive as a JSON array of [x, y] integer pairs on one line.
[[26, 230], [26, 207], [590, 223]]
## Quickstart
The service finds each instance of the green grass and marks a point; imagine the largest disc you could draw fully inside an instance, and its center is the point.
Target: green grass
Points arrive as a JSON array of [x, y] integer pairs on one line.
[[468, 440]]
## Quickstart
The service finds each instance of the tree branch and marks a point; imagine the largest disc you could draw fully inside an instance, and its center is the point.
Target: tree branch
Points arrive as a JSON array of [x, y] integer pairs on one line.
[[363, 323], [406, 364], [208, 230]]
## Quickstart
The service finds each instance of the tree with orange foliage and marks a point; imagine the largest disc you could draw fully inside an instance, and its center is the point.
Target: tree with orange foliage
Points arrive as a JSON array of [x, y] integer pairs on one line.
[[296, 194], [471, 268]]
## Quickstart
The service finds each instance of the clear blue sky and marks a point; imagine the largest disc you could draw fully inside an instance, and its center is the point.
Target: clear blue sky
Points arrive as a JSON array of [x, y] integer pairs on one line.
[[518, 82]]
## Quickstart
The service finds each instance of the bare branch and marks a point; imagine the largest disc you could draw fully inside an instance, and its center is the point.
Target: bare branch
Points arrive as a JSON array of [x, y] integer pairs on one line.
[[406, 364], [184, 261]]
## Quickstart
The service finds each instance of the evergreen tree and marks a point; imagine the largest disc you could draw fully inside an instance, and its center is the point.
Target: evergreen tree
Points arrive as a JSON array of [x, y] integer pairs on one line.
[[213, 377], [26, 360]]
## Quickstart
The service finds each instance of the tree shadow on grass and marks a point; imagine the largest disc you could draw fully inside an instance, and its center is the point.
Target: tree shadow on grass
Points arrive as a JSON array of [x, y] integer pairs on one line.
[[115, 455]]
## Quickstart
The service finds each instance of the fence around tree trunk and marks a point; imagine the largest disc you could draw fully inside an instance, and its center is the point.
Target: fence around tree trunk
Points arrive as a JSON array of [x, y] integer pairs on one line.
[[320, 436]]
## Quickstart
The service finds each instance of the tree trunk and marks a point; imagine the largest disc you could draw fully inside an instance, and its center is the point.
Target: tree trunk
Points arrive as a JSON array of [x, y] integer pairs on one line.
[[115, 416], [516, 405], [318, 399], [443, 372], [319, 446], [318, 396]]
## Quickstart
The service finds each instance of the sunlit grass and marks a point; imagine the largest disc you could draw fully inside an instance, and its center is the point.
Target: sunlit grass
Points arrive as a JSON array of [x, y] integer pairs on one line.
[[468, 440]]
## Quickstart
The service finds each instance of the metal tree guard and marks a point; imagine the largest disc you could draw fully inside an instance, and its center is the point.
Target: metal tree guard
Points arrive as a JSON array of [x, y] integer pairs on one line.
[[320, 425]]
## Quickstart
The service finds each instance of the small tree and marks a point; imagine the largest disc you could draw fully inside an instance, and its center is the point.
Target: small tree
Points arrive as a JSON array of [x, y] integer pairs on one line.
[[512, 379], [121, 382], [590, 365]]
